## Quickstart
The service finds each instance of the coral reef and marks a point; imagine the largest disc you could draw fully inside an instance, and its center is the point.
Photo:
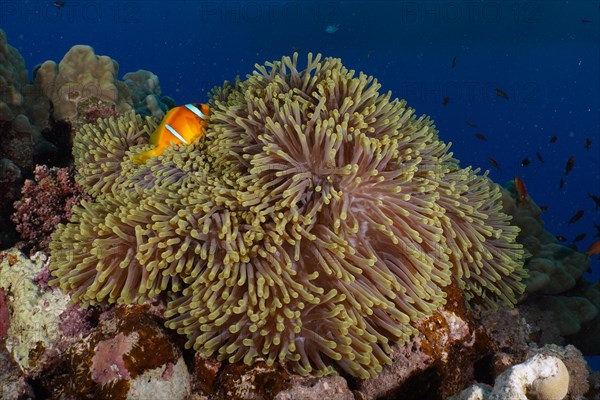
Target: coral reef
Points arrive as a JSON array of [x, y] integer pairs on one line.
[[155, 216], [333, 387], [12, 384], [33, 318], [562, 304], [540, 377], [37, 117], [23, 112], [318, 222], [4, 312], [46, 201], [454, 348], [83, 76], [11, 180], [23, 116], [128, 355], [145, 93]]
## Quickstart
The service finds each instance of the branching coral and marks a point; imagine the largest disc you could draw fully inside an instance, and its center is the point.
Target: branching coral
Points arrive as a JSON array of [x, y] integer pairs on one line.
[[46, 201], [316, 222]]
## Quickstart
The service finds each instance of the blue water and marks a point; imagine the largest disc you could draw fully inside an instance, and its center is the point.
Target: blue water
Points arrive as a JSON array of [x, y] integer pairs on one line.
[[540, 53]]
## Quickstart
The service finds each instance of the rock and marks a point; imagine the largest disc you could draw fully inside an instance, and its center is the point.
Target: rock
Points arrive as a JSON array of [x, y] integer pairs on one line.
[[543, 377], [129, 355], [331, 387]]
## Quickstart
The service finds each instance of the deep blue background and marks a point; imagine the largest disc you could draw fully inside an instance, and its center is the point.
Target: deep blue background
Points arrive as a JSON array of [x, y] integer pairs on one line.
[[541, 53]]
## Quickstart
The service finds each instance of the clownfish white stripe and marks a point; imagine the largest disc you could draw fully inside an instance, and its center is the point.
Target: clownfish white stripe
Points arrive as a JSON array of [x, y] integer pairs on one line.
[[175, 133], [195, 110]]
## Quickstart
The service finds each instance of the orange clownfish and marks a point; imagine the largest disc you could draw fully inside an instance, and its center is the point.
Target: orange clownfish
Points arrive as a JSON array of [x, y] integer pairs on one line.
[[182, 124]]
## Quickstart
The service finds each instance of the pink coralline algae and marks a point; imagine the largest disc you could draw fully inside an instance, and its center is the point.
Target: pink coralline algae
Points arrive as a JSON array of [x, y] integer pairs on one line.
[[3, 315], [76, 321], [107, 364], [46, 201]]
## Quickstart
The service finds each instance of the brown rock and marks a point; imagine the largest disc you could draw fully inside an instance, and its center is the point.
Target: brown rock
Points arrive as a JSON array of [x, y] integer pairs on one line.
[[440, 361], [257, 382], [205, 372]]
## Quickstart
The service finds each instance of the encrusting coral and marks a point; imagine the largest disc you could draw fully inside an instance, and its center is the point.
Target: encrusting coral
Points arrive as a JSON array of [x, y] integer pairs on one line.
[[316, 222]]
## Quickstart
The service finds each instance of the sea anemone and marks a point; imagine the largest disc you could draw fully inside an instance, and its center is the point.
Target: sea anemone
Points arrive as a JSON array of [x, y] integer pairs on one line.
[[316, 222]]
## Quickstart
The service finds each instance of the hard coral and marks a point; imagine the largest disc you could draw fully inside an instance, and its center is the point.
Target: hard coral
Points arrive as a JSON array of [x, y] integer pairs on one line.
[[46, 201], [316, 223]]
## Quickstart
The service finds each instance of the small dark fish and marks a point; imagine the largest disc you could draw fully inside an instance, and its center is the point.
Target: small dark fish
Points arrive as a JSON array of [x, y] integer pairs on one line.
[[553, 139], [561, 184], [453, 62], [59, 4], [597, 228], [525, 162], [586, 21], [494, 163], [502, 94], [481, 136], [588, 143], [579, 237], [572, 246], [596, 200], [471, 124], [544, 208], [576, 217], [539, 156], [446, 100], [561, 238], [569, 165]]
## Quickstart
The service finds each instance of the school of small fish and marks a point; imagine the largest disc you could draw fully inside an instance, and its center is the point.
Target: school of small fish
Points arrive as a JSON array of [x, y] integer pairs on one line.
[[521, 189]]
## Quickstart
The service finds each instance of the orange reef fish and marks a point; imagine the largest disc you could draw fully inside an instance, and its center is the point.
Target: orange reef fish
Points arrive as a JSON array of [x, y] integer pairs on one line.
[[481, 137], [521, 189], [594, 249], [502, 94], [446, 100], [182, 124], [553, 139], [525, 162]]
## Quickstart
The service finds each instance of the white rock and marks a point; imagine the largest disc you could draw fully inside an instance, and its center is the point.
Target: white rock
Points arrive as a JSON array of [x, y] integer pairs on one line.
[[541, 377]]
